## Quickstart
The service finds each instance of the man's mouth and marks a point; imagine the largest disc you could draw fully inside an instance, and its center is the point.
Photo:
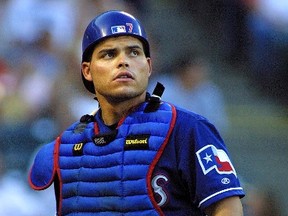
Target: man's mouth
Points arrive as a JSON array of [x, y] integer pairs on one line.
[[124, 75]]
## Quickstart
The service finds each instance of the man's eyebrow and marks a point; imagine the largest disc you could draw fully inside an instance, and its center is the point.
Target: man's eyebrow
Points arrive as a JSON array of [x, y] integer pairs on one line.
[[105, 50], [134, 47]]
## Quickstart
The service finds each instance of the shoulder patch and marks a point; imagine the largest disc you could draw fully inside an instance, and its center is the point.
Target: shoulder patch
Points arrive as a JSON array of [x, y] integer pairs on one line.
[[210, 158]]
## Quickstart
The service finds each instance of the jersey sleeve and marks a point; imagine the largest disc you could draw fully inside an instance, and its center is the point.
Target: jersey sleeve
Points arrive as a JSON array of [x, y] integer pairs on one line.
[[216, 177], [204, 162]]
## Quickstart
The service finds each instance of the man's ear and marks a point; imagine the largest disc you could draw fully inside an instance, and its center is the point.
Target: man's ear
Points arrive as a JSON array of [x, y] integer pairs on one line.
[[86, 71], [150, 66]]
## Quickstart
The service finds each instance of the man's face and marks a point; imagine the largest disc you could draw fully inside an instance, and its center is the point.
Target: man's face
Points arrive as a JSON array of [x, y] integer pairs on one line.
[[119, 69]]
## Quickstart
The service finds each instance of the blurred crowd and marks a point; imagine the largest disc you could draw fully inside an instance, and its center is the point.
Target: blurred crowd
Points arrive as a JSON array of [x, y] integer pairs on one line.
[[41, 92], [252, 35]]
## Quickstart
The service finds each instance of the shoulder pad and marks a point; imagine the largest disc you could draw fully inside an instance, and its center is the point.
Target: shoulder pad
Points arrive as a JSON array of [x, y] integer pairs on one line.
[[42, 172]]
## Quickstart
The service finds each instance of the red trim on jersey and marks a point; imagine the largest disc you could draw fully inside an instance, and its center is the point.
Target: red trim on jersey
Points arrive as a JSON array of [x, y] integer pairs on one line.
[[57, 168], [96, 128], [155, 161]]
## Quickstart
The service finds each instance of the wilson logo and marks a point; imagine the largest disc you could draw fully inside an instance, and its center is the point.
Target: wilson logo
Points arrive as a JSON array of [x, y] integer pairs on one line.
[[100, 141], [78, 149], [137, 142]]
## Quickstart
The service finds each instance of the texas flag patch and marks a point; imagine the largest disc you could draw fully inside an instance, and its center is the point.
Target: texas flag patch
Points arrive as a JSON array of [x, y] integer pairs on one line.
[[211, 158]]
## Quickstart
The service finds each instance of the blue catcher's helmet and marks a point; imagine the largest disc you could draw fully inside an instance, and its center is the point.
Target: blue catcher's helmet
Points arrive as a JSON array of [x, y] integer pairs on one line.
[[110, 24]]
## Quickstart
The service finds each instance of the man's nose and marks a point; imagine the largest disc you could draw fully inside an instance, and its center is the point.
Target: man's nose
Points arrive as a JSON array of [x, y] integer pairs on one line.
[[123, 61]]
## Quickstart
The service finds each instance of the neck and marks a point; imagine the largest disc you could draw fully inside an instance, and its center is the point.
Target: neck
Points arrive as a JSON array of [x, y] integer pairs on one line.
[[113, 112]]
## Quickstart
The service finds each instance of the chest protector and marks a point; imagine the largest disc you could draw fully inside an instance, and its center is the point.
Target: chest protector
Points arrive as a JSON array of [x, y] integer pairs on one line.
[[95, 173]]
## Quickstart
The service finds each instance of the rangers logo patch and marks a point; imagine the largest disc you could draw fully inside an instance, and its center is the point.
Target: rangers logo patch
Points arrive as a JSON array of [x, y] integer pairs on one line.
[[130, 27], [211, 158]]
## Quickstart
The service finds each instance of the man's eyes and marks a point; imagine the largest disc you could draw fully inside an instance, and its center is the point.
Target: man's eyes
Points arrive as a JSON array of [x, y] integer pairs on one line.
[[108, 54], [112, 53], [135, 52]]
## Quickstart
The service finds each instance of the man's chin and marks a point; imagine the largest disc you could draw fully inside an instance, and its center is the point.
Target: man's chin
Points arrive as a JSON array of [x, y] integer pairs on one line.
[[125, 96]]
